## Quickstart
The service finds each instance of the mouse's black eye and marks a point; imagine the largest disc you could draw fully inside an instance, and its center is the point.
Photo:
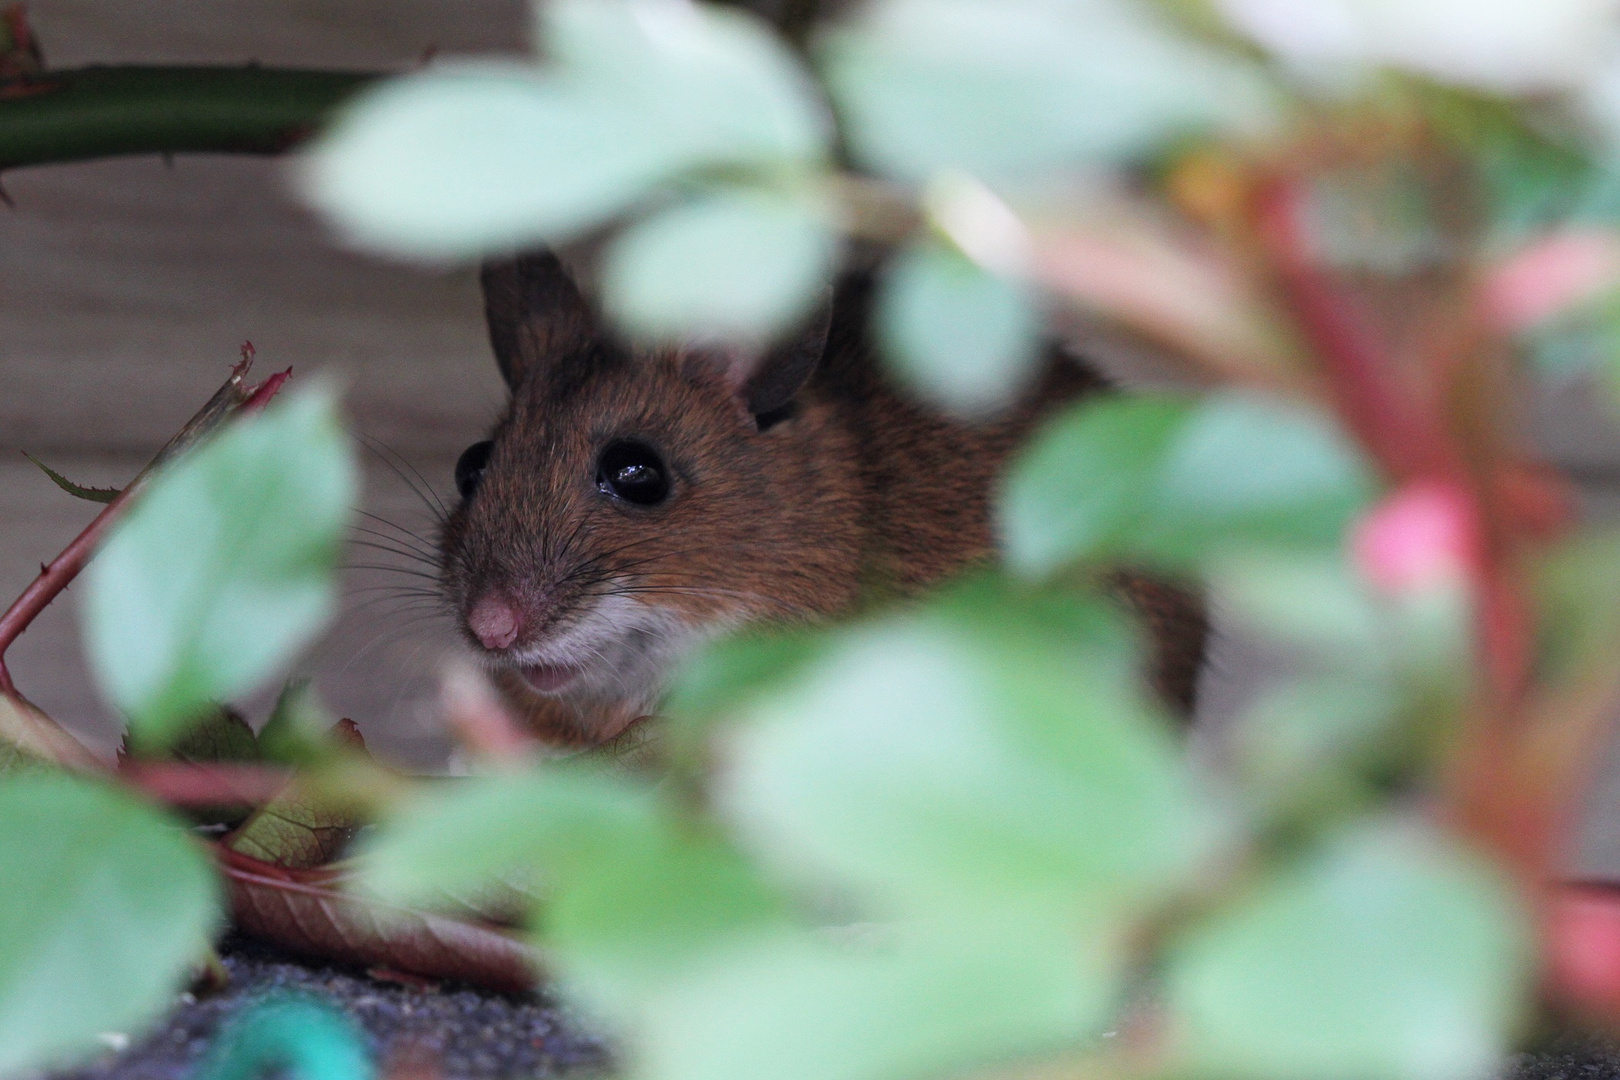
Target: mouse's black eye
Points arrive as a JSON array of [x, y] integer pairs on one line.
[[633, 472], [470, 467]]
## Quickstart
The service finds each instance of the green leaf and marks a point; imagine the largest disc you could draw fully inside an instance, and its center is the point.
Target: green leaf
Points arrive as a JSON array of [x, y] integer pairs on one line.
[[223, 568], [1177, 482], [940, 763], [221, 736], [1302, 741], [733, 266], [1388, 956], [1315, 600], [295, 830], [720, 82], [633, 894], [956, 333], [458, 162], [29, 739], [737, 669], [1003, 87], [932, 1004], [78, 491], [476, 159], [1086, 481], [104, 904]]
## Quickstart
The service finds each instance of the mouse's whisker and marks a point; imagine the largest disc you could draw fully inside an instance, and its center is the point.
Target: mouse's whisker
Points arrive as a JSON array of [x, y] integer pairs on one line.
[[418, 551], [419, 487], [404, 553], [397, 527], [411, 571]]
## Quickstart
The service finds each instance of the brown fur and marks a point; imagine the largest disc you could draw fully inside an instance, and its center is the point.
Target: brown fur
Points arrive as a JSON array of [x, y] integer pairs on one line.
[[859, 492]]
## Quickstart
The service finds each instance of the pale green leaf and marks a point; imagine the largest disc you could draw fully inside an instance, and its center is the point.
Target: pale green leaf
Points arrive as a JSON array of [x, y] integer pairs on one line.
[[1003, 87], [939, 765], [720, 82], [1390, 955], [632, 894], [480, 158], [1084, 483], [793, 1008], [223, 569], [956, 333], [1180, 482], [461, 161], [730, 266], [104, 904]]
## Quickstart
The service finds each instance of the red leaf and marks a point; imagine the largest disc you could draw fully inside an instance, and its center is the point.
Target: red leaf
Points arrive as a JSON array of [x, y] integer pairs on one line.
[[308, 913]]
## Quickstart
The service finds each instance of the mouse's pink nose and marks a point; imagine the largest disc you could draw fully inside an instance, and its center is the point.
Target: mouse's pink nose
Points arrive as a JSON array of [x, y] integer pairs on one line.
[[494, 622]]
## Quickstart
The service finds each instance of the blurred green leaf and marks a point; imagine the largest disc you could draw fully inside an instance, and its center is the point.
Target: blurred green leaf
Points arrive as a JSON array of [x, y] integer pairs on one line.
[[1086, 482], [1314, 600], [719, 80], [104, 904], [223, 568], [1388, 956], [1301, 742], [932, 1004], [737, 669], [632, 893], [936, 764], [476, 159], [1176, 482], [957, 333], [1003, 87], [1534, 174], [1577, 586], [457, 162], [729, 266]]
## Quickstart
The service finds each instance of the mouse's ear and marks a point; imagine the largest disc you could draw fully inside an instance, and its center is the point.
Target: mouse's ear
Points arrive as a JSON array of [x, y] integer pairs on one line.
[[536, 313], [767, 382]]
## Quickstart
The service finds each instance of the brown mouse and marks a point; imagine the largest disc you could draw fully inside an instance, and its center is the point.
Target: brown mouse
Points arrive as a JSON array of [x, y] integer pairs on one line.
[[634, 503]]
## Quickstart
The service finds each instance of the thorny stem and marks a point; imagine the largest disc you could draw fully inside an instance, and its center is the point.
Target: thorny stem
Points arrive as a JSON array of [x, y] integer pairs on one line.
[[60, 571], [96, 112]]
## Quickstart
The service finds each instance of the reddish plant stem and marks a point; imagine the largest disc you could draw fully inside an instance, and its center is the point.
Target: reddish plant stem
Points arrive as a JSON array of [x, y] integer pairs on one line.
[[206, 783], [1405, 441], [53, 579], [1411, 443]]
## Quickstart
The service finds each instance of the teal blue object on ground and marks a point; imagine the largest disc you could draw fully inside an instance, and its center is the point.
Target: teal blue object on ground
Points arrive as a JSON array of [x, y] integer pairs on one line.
[[308, 1038]]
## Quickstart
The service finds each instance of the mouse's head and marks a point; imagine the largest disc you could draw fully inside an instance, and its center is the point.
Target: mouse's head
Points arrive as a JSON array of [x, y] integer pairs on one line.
[[631, 503]]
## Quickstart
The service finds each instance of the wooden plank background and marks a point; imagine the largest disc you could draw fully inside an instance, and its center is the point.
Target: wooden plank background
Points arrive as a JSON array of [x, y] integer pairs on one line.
[[126, 288]]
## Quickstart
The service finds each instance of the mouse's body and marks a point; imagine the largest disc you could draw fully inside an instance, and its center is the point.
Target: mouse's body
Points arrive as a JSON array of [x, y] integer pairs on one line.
[[631, 505]]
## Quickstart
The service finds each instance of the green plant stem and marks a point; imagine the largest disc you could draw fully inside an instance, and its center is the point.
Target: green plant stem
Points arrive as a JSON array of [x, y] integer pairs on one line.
[[94, 112]]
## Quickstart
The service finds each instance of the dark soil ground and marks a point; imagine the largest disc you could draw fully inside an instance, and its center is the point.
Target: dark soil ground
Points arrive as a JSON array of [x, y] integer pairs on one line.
[[461, 1033]]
